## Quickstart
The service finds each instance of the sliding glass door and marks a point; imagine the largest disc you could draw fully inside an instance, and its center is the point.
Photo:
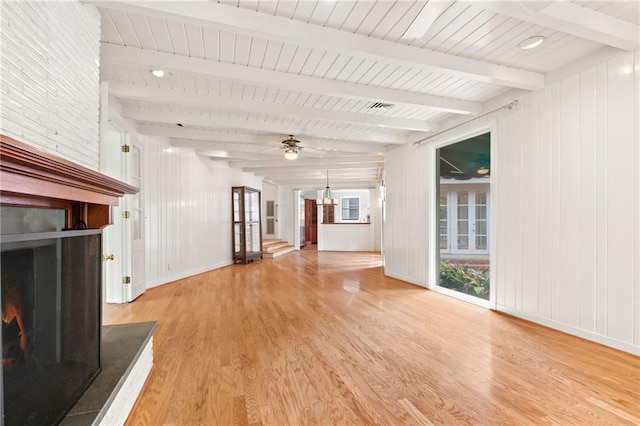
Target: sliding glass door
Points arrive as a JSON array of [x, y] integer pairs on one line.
[[464, 184]]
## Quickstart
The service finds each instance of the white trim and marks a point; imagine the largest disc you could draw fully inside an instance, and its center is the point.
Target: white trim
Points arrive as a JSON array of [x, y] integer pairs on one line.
[[464, 297], [187, 274], [458, 135], [594, 337], [405, 279]]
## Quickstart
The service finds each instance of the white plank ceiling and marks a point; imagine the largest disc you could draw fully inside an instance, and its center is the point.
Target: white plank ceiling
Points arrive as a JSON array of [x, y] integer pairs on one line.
[[245, 74]]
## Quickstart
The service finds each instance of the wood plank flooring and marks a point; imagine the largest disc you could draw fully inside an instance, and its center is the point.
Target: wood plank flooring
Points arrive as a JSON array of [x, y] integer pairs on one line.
[[325, 338]]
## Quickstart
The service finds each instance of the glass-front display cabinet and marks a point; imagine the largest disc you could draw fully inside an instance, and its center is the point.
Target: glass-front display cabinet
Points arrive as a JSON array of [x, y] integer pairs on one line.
[[247, 228]]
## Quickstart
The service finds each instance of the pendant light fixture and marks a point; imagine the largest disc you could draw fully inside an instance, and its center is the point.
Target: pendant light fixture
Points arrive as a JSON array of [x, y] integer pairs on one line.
[[326, 199]]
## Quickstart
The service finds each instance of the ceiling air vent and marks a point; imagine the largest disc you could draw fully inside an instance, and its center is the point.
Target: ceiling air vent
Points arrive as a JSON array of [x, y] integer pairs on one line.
[[381, 105]]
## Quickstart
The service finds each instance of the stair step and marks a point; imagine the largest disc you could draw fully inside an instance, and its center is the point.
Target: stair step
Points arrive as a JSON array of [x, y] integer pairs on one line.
[[269, 243], [280, 251], [273, 247]]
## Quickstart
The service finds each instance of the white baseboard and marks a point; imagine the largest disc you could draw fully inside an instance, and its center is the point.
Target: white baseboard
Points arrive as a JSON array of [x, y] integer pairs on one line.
[[404, 278], [186, 274], [588, 335]]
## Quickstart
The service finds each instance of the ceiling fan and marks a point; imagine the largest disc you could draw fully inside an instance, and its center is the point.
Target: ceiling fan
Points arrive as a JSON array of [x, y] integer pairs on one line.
[[291, 147]]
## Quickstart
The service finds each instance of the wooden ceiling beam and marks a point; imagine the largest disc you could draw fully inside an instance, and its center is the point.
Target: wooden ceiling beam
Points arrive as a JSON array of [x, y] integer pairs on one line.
[[149, 59], [269, 27], [181, 97]]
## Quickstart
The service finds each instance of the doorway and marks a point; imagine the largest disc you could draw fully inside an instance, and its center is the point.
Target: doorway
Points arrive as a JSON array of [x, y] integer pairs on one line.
[[310, 222], [269, 211], [463, 189]]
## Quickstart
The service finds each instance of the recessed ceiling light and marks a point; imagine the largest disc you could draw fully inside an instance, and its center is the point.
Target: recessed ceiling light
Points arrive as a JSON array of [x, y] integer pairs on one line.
[[531, 42], [160, 73]]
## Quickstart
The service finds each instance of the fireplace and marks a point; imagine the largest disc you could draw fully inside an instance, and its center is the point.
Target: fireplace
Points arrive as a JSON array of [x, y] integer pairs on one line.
[[50, 322], [50, 280]]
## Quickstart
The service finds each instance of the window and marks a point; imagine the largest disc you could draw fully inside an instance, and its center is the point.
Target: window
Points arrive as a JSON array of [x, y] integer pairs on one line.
[[350, 208]]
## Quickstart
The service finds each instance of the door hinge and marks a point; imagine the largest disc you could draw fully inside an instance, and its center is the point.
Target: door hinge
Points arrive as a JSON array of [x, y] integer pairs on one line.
[[126, 280], [126, 214], [125, 148]]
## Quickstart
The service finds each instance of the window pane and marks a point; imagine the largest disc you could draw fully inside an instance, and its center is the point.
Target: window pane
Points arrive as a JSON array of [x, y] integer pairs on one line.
[[350, 208], [481, 198], [443, 212], [463, 212], [443, 241], [481, 228], [481, 212], [463, 197], [463, 242], [481, 243], [463, 227]]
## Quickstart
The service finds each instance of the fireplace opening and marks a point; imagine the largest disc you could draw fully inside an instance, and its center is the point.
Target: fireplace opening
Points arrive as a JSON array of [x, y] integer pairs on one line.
[[50, 300]]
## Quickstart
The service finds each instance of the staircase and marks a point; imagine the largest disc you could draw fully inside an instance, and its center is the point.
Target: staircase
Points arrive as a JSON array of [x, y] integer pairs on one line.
[[275, 248]]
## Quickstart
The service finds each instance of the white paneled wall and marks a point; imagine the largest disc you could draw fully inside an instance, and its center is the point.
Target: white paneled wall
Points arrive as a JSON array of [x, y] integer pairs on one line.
[[405, 227], [567, 177], [188, 211], [286, 217], [49, 77]]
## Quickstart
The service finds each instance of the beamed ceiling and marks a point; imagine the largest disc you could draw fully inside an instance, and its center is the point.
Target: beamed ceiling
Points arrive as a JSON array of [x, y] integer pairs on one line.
[[338, 75]]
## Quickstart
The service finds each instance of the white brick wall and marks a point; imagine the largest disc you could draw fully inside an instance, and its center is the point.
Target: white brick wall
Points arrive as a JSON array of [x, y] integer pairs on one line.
[[49, 77]]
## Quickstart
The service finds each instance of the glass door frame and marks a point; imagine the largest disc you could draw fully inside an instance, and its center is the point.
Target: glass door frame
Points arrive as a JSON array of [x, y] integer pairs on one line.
[[433, 181]]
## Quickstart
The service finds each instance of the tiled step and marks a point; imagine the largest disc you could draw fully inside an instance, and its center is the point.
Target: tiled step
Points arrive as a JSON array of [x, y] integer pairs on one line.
[[275, 248]]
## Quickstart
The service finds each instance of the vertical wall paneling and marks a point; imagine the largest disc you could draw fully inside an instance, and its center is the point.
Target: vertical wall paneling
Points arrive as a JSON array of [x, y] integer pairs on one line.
[[287, 220], [568, 211], [620, 159], [510, 178], [530, 199], [501, 212], [555, 201], [520, 197], [545, 202], [602, 138], [188, 219], [569, 187], [636, 215], [405, 244], [587, 208]]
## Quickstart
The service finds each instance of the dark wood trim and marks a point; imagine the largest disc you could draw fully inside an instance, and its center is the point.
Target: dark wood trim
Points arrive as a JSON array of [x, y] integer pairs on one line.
[[30, 177]]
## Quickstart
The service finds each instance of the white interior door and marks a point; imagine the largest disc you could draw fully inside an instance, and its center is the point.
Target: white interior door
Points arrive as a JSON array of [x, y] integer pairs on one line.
[[135, 224], [112, 245]]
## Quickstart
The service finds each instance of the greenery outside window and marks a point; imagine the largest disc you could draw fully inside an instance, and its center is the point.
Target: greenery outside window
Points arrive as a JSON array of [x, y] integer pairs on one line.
[[350, 208]]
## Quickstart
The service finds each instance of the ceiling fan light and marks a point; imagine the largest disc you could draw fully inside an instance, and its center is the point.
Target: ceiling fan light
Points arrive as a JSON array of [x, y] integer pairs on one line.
[[291, 154], [531, 42]]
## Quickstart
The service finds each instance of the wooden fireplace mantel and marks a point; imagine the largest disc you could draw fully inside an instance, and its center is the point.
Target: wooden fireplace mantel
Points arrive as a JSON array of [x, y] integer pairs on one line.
[[30, 177]]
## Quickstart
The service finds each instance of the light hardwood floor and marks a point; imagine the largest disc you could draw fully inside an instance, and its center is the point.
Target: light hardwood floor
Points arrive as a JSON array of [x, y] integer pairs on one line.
[[324, 338]]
